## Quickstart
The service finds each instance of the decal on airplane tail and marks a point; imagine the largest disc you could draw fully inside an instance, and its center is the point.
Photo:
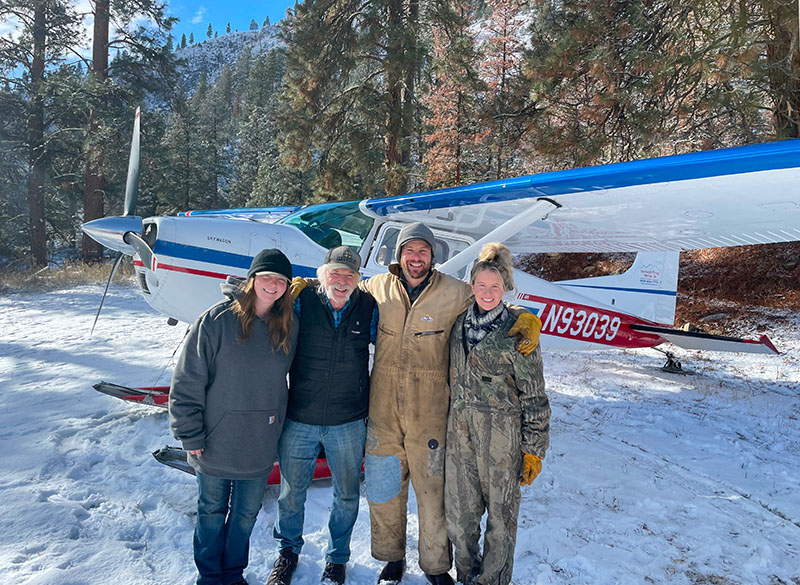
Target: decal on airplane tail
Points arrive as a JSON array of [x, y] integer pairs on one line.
[[648, 289]]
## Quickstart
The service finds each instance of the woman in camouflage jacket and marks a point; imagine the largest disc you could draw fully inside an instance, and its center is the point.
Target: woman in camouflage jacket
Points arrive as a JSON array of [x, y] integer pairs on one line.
[[497, 428]]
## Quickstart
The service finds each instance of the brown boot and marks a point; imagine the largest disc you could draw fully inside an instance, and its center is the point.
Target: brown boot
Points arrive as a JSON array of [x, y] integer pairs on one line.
[[284, 568]]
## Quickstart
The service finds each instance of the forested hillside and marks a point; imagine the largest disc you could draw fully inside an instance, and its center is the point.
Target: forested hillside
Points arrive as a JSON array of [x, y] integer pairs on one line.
[[354, 99]]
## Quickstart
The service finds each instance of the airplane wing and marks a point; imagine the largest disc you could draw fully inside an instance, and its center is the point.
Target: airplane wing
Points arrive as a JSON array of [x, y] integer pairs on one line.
[[265, 214], [728, 197]]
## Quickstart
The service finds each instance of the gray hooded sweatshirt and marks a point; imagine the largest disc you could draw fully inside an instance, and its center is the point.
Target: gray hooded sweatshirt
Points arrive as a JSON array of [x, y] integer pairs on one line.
[[229, 398]]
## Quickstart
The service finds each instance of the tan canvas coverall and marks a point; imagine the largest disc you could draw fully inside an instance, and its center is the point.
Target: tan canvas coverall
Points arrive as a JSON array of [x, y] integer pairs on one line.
[[409, 399]]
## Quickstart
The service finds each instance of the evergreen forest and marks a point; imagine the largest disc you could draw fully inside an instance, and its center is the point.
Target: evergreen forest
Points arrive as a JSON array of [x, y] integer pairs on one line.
[[365, 98]]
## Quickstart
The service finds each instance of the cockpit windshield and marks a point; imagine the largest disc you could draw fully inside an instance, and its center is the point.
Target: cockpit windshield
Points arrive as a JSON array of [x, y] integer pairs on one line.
[[332, 224]]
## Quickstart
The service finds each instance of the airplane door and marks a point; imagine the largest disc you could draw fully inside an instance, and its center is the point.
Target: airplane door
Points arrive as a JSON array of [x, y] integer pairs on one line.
[[261, 241]]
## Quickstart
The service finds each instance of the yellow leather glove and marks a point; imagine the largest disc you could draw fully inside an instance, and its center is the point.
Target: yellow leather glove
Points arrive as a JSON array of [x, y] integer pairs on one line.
[[298, 284], [527, 327], [531, 467]]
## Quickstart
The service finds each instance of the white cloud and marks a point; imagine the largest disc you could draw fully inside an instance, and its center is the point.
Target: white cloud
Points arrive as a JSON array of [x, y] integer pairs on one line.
[[199, 16]]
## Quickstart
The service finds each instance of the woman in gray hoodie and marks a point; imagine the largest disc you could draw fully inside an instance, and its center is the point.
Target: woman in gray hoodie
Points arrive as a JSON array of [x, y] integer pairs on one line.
[[227, 405]]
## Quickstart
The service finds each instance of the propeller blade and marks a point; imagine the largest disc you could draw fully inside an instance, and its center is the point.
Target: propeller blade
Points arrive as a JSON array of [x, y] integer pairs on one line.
[[110, 277], [132, 184], [141, 247]]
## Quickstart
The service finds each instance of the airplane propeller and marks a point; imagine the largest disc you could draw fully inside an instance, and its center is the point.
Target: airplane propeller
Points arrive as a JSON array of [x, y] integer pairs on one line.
[[130, 237]]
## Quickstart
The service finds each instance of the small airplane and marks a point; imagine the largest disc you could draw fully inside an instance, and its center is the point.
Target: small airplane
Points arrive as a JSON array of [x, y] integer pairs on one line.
[[655, 207]]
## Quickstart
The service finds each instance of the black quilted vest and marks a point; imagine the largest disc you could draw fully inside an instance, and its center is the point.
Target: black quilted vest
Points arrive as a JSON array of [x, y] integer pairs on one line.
[[329, 378]]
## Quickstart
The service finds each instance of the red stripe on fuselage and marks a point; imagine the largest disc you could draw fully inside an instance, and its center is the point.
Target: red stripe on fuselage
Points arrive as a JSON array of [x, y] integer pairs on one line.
[[591, 324], [185, 270]]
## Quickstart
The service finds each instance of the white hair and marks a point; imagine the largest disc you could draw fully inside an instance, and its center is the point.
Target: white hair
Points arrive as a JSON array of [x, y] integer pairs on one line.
[[322, 274]]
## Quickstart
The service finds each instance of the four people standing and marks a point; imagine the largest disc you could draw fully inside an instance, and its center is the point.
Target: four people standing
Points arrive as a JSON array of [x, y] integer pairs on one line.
[[408, 409]]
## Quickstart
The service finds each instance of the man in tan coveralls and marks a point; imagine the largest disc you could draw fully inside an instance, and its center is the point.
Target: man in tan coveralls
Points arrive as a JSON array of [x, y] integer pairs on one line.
[[409, 400]]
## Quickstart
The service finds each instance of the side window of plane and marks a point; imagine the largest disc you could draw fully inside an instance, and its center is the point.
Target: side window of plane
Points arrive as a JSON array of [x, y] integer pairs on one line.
[[385, 254], [442, 252]]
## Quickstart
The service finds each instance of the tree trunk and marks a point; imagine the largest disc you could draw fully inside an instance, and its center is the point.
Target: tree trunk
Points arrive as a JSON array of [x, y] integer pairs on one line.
[[783, 58], [36, 177], [396, 178], [94, 185], [411, 63]]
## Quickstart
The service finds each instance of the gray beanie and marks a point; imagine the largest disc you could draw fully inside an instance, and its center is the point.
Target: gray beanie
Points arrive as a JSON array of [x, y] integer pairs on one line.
[[414, 231]]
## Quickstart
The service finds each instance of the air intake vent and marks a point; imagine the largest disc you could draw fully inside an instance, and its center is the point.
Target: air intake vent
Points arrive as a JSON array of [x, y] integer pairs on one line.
[[143, 282]]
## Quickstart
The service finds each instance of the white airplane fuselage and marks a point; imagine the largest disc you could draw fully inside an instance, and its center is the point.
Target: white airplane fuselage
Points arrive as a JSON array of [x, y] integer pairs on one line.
[[193, 256]]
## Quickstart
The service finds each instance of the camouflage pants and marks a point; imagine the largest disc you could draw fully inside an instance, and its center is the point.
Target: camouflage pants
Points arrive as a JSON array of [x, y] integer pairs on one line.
[[482, 473]]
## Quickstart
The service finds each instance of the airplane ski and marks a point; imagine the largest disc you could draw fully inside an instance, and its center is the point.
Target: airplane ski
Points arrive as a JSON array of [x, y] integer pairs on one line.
[[148, 395], [175, 457], [709, 342]]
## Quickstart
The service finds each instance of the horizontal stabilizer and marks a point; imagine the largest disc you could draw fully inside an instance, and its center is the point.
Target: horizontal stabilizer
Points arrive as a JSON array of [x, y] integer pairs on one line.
[[708, 342]]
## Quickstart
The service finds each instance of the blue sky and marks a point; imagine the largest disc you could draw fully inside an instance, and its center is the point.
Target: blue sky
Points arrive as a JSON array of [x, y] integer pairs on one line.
[[196, 16]]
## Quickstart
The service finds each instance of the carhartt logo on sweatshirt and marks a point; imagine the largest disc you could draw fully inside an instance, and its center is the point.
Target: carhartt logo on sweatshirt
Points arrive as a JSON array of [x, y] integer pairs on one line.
[[271, 420]]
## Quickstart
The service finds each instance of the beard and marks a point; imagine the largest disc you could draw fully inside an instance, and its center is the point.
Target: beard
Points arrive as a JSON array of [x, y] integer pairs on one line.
[[414, 272], [331, 289]]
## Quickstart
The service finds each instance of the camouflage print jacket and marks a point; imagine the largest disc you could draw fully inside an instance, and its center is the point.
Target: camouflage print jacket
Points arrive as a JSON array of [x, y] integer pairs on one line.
[[495, 377]]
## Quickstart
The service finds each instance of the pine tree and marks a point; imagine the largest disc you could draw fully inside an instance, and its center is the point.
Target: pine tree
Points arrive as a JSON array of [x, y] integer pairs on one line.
[[209, 31], [261, 176], [353, 69], [183, 41], [266, 22], [776, 21], [241, 75], [15, 240], [228, 28], [628, 80], [48, 30], [453, 133], [253, 24], [191, 38], [185, 183], [507, 106], [147, 56]]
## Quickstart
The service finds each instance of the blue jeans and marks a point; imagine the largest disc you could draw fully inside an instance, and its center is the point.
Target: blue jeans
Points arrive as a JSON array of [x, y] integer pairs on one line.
[[226, 513], [297, 454]]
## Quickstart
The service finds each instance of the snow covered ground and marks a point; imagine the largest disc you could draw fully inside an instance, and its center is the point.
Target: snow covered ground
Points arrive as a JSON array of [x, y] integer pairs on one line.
[[651, 477]]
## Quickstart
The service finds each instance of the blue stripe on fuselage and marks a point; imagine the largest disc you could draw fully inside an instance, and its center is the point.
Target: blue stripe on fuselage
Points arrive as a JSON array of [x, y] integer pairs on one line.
[[670, 293], [211, 256]]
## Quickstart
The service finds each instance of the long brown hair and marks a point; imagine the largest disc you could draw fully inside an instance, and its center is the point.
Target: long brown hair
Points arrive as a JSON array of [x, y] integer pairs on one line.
[[279, 318]]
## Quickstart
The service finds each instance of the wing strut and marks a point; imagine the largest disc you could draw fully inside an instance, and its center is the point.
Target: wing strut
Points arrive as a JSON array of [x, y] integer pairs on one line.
[[537, 211]]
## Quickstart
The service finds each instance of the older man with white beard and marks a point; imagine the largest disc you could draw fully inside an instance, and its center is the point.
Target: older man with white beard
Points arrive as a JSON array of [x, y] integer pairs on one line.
[[328, 407]]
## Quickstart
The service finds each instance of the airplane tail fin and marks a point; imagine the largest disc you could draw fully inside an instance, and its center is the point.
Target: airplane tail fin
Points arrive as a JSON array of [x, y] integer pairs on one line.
[[648, 289]]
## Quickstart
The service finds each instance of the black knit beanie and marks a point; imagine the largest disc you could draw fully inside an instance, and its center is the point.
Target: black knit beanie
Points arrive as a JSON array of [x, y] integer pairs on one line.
[[271, 260]]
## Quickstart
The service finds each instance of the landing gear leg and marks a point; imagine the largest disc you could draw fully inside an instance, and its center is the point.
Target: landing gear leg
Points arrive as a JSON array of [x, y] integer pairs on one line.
[[673, 365]]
